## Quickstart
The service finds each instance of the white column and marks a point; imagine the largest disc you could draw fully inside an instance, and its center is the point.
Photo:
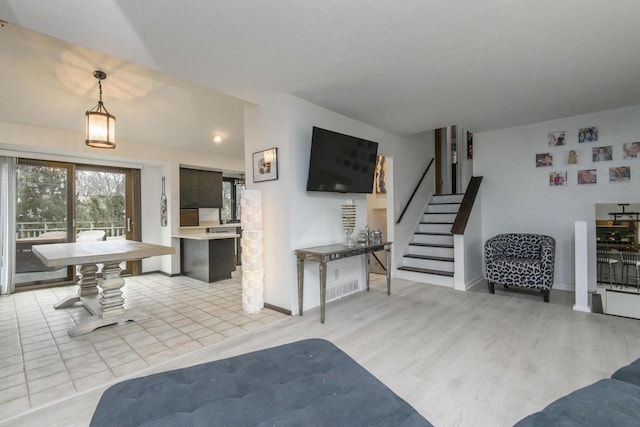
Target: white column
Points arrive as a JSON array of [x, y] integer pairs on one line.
[[582, 268], [252, 260]]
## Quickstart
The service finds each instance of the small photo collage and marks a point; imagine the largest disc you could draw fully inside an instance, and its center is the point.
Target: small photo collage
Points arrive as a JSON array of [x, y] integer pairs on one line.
[[585, 157]]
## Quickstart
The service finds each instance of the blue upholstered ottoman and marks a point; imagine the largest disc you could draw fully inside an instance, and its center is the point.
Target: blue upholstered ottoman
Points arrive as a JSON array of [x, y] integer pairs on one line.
[[305, 383], [606, 403], [629, 373]]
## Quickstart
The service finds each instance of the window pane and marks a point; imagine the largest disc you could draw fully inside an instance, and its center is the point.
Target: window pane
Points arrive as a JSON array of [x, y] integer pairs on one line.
[[227, 202]]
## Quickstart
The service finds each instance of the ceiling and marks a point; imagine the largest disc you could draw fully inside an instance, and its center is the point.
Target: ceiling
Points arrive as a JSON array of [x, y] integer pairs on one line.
[[404, 67]]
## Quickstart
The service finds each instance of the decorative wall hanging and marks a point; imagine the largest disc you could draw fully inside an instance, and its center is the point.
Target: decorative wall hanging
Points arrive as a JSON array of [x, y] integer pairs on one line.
[[620, 174], [380, 182], [557, 138], [163, 206], [589, 134], [544, 159], [587, 176], [558, 178], [572, 157], [630, 150], [600, 154], [265, 165]]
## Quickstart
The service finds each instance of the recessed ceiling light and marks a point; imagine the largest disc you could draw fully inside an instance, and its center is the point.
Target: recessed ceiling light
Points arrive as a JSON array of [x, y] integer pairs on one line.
[[217, 139]]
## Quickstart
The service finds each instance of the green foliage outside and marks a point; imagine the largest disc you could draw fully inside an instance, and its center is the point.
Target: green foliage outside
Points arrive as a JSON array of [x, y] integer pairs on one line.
[[42, 198]]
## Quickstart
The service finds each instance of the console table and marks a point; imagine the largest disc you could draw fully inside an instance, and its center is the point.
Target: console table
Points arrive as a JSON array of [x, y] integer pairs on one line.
[[324, 254], [102, 297]]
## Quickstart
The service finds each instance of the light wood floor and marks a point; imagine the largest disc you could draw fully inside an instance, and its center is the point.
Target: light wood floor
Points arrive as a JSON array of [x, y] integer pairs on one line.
[[460, 358]]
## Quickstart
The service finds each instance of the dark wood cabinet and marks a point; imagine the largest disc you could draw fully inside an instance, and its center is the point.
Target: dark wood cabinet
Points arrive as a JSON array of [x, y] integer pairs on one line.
[[189, 188], [200, 189], [207, 260]]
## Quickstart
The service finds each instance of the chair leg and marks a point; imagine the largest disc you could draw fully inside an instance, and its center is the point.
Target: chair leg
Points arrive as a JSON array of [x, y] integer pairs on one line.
[[491, 287], [611, 271], [545, 294]]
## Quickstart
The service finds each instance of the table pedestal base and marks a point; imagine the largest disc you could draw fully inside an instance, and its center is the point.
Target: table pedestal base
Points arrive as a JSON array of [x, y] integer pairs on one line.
[[101, 297]]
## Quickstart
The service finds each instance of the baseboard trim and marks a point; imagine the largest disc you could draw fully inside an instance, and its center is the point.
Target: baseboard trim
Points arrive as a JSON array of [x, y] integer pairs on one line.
[[278, 309], [161, 272], [465, 287]]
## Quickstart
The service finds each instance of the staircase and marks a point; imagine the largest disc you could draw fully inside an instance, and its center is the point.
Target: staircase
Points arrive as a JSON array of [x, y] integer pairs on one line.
[[429, 256]]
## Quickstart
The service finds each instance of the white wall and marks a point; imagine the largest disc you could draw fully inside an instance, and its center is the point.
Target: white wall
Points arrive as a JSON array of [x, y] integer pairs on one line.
[[409, 164], [516, 196], [294, 218]]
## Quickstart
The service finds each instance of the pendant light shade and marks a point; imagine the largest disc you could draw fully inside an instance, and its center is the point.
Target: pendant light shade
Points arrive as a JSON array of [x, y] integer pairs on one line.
[[101, 126]]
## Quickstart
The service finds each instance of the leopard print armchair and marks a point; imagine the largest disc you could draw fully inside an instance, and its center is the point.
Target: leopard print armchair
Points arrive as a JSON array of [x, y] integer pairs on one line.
[[520, 259]]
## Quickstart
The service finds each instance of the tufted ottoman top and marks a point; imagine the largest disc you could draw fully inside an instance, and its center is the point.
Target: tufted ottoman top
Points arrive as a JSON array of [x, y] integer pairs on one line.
[[305, 383]]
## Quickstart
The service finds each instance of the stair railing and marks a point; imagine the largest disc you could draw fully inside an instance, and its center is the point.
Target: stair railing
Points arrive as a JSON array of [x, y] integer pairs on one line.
[[379, 262], [460, 223], [415, 190]]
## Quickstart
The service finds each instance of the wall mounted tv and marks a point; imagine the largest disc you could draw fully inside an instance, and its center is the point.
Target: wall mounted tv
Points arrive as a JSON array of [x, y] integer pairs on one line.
[[341, 163]]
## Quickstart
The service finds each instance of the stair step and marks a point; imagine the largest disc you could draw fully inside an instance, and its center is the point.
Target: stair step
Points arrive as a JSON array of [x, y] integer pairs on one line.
[[440, 213], [429, 233], [431, 245], [435, 222], [427, 257], [427, 271], [447, 198]]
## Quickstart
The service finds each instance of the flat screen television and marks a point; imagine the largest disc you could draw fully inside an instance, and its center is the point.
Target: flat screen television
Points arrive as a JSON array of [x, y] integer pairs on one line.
[[341, 163]]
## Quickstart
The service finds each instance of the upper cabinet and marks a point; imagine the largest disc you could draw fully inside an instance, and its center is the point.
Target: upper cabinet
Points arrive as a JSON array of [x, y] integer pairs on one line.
[[200, 189]]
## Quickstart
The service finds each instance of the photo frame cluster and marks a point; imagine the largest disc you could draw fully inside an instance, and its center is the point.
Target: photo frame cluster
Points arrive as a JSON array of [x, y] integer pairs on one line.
[[583, 155]]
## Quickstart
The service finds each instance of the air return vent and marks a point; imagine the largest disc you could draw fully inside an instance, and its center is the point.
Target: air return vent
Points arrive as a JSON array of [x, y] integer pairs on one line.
[[341, 289]]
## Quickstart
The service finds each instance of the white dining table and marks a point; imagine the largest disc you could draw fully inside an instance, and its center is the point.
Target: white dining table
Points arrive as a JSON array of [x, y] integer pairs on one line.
[[101, 296]]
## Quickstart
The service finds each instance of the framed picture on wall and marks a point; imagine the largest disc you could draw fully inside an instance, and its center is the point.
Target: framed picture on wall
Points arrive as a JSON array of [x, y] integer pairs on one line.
[[587, 176], [557, 179], [265, 165], [572, 157], [601, 154], [380, 175], [630, 150], [620, 174], [557, 138], [544, 159], [589, 134]]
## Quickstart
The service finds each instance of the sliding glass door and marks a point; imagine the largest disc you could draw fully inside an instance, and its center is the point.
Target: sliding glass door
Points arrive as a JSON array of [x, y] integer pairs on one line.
[[64, 202], [43, 212], [105, 206]]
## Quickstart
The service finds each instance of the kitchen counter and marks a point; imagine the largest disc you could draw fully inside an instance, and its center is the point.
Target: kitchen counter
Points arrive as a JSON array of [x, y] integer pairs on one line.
[[208, 256], [204, 225], [202, 235]]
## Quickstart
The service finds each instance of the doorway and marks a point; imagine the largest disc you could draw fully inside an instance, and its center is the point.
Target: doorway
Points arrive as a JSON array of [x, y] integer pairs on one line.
[[377, 211], [447, 166], [59, 202]]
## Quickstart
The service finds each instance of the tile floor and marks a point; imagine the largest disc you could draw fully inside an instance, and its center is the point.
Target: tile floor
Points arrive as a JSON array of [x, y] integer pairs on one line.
[[41, 363]]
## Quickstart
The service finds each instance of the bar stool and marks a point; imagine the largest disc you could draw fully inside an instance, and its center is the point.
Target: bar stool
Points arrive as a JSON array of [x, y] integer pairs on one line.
[[605, 259], [630, 259]]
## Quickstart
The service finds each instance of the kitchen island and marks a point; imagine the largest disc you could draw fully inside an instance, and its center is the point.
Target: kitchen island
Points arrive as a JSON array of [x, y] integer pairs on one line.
[[207, 256]]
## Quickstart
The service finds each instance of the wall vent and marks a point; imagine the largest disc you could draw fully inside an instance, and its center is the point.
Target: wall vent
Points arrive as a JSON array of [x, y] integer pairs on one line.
[[341, 289]]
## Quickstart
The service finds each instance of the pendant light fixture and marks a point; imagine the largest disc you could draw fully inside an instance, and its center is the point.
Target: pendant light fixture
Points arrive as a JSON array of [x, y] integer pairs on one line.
[[101, 126]]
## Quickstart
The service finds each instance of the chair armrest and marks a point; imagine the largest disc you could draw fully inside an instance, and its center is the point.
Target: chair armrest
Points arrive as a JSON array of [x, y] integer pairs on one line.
[[493, 249], [547, 254]]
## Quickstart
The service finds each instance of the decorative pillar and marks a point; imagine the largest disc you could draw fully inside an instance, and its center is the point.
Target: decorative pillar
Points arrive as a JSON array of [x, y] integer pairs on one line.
[[581, 267], [252, 260]]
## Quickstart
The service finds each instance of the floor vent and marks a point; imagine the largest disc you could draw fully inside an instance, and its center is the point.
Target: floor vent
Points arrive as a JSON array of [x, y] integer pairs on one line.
[[341, 289]]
